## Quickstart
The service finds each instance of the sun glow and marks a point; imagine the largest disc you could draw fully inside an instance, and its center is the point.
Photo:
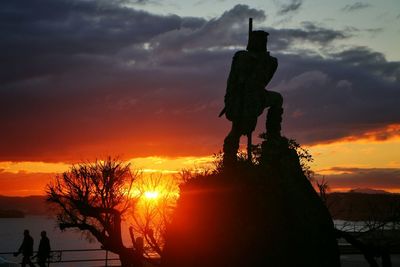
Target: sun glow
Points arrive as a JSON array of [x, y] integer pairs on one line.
[[155, 192], [151, 195], [155, 200]]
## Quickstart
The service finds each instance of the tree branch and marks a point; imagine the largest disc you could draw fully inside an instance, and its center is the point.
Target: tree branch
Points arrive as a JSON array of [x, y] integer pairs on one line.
[[366, 250]]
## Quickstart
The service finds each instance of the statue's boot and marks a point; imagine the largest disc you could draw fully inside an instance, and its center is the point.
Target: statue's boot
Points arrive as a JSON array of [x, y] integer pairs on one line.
[[273, 124], [231, 146], [274, 141]]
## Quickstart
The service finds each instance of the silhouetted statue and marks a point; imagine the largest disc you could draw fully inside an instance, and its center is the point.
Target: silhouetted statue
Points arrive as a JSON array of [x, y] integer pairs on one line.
[[265, 214], [246, 97], [26, 249], [44, 249]]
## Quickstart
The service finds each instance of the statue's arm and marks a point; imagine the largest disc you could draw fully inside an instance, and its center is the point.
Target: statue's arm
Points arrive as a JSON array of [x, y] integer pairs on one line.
[[272, 66], [231, 85]]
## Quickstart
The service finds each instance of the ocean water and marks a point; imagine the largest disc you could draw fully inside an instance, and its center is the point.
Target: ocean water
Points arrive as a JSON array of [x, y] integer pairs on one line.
[[11, 235]]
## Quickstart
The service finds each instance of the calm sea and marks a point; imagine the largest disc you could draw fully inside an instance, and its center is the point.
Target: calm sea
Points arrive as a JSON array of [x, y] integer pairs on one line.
[[11, 235]]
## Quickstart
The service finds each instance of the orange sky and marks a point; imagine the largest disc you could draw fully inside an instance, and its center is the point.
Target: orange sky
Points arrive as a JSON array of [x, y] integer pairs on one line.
[[146, 83], [333, 160]]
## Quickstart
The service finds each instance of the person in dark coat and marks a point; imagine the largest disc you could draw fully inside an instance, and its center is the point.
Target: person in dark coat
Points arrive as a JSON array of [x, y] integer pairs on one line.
[[44, 249], [26, 249]]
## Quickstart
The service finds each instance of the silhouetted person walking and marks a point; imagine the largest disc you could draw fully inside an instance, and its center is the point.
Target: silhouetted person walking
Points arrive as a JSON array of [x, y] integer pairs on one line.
[[26, 249], [44, 249]]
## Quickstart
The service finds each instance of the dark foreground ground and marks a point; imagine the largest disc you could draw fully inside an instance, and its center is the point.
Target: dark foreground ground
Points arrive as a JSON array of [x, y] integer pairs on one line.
[[359, 261]]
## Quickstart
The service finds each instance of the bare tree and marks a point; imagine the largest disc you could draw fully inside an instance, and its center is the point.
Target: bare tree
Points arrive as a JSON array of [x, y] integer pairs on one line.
[[377, 234], [154, 209], [323, 188], [93, 197]]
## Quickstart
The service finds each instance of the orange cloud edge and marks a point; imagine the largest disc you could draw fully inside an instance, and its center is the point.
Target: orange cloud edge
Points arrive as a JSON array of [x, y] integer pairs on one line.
[[30, 177]]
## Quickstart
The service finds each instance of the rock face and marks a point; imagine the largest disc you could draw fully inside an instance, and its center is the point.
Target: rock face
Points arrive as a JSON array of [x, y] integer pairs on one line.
[[267, 215]]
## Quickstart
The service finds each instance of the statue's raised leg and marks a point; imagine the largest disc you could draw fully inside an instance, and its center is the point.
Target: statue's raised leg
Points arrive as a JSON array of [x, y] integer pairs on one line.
[[274, 101], [231, 145]]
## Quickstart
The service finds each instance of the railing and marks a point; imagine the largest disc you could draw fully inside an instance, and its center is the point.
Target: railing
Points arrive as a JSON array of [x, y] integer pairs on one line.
[[59, 256], [108, 258], [351, 250]]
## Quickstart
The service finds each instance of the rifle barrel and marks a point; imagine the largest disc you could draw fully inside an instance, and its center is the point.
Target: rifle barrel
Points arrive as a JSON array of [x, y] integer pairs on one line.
[[250, 26]]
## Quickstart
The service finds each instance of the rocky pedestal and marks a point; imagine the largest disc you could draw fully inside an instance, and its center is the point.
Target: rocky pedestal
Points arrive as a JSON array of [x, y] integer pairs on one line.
[[266, 215]]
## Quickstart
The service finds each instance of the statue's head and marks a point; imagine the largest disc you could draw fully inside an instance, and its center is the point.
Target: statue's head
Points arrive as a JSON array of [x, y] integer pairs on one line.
[[258, 41]]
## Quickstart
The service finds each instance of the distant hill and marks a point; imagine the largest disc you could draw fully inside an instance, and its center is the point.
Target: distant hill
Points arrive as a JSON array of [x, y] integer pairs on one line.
[[356, 206], [11, 214], [368, 191], [32, 205]]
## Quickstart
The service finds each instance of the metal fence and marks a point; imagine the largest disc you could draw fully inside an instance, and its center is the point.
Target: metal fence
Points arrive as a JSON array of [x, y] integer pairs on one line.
[[71, 256], [106, 258]]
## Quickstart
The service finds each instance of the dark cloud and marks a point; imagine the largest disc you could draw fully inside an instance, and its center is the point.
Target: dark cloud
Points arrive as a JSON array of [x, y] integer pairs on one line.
[[374, 31], [378, 178], [283, 39], [86, 79], [355, 6], [227, 30], [373, 61], [134, 3], [64, 100], [344, 95], [291, 7], [192, 23], [37, 34], [354, 31], [139, 1]]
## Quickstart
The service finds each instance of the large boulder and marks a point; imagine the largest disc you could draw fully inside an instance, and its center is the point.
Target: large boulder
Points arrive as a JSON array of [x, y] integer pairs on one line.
[[266, 215]]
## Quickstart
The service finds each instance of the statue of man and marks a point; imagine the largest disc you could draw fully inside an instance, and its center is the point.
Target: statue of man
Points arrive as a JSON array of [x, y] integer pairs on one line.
[[246, 97]]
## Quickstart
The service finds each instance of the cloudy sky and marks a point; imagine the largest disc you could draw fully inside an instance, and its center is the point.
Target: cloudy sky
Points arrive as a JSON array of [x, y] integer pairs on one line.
[[145, 80]]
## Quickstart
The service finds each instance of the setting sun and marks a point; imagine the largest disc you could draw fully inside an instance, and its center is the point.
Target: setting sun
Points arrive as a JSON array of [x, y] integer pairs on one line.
[[151, 194]]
